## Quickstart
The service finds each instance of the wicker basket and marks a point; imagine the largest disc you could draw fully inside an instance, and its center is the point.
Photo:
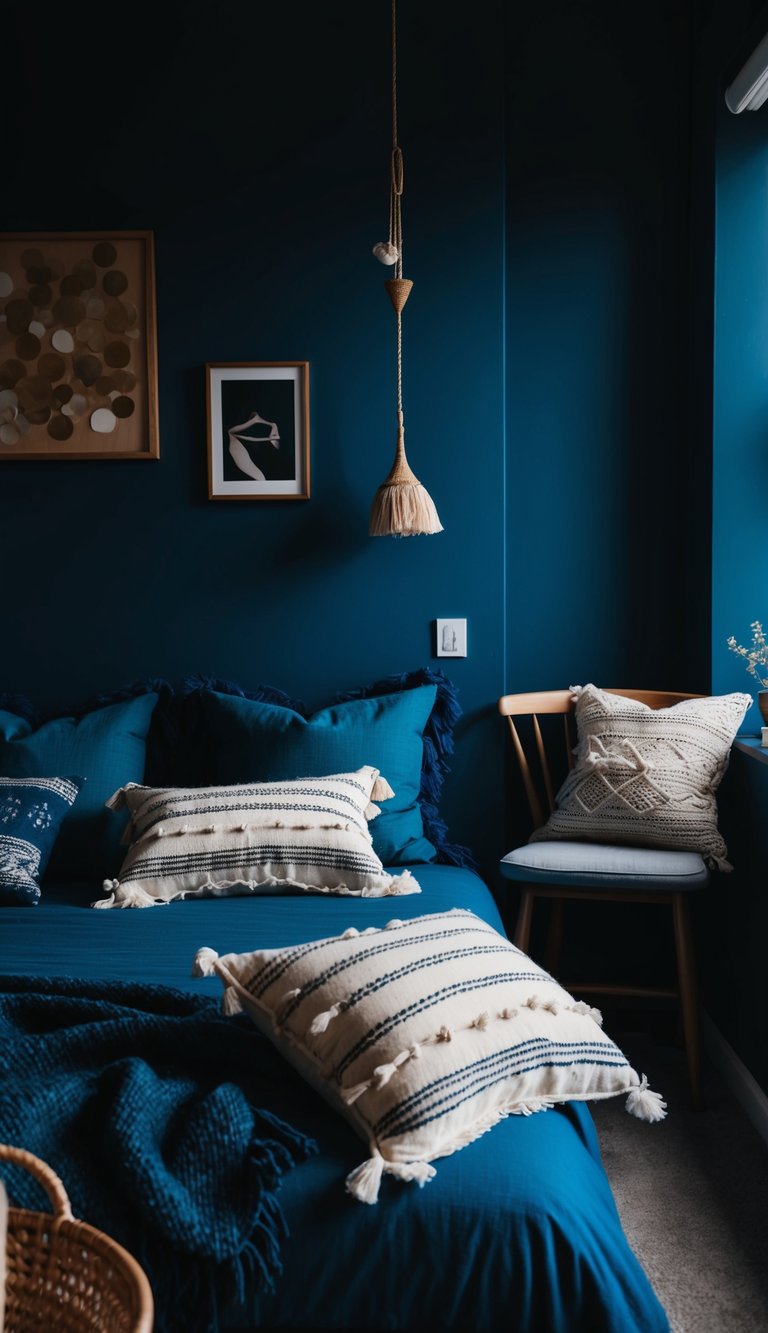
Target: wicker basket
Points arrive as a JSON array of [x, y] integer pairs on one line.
[[64, 1276]]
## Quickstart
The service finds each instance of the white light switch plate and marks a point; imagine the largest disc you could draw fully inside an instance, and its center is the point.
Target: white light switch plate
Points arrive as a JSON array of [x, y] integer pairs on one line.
[[451, 638]]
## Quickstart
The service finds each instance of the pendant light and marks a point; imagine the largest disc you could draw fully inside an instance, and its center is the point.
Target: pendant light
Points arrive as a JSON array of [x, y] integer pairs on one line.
[[401, 506]]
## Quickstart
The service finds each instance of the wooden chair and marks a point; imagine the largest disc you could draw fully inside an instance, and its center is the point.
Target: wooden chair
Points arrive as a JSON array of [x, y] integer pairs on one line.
[[596, 872]]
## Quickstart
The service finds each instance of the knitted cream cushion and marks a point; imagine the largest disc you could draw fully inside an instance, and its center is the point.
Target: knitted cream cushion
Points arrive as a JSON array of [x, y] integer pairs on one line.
[[647, 776], [424, 1034], [309, 835]]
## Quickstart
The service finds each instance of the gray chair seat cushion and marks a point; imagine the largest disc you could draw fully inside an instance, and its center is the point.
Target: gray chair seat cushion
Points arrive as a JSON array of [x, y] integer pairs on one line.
[[595, 865]]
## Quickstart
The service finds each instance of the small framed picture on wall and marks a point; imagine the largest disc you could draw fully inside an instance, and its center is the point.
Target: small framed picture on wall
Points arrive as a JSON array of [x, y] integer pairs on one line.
[[258, 430]]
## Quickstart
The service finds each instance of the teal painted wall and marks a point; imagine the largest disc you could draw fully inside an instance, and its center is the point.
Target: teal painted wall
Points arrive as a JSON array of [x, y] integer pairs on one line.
[[740, 461], [256, 144], [735, 985], [547, 228], [598, 186]]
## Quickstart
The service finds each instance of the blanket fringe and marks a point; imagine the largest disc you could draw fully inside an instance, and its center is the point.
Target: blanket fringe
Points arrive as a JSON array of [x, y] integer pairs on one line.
[[209, 1240]]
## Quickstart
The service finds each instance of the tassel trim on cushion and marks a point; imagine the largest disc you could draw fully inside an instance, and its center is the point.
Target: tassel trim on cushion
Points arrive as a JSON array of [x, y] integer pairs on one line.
[[645, 1104], [383, 1073], [208, 964], [381, 790], [363, 1183], [378, 886], [119, 895]]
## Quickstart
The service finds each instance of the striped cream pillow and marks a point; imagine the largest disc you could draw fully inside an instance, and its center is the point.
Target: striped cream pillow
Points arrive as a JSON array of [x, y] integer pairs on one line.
[[425, 1033], [305, 836]]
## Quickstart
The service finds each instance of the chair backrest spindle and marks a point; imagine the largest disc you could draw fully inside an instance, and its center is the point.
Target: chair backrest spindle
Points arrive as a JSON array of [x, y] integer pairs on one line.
[[544, 762], [534, 803]]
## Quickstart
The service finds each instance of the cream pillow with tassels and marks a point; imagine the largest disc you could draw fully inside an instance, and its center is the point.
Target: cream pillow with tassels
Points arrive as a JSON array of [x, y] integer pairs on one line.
[[647, 777], [424, 1034], [310, 835]]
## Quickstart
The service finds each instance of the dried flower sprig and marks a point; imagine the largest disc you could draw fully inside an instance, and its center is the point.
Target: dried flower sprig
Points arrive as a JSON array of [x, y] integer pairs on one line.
[[757, 655]]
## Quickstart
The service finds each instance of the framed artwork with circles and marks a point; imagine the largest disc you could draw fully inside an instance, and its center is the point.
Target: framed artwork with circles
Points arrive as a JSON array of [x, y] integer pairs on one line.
[[78, 345]]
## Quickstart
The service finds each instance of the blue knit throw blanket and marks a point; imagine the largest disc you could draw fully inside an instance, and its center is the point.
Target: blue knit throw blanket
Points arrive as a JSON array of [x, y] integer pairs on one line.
[[152, 1108]]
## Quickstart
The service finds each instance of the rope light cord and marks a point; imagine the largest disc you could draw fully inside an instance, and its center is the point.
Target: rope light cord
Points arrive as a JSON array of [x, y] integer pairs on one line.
[[396, 185], [401, 506], [396, 211]]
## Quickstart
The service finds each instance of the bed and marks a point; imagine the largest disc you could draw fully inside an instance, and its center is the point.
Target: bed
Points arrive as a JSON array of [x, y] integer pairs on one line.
[[517, 1232]]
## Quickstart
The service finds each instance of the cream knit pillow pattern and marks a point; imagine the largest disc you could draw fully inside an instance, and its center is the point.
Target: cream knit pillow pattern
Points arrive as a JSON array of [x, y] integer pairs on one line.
[[424, 1034], [647, 776], [309, 835]]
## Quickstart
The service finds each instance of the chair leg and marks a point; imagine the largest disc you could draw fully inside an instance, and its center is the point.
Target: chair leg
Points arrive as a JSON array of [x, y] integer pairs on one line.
[[524, 918], [686, 973], [555, 935]]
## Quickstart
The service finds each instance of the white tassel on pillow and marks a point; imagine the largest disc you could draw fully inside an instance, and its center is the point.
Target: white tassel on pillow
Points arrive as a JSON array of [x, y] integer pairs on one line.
[[230, 1002], [320, 1021], [124, 896], [203, 964], [646, 1104], [363, 1183], [381, 790]]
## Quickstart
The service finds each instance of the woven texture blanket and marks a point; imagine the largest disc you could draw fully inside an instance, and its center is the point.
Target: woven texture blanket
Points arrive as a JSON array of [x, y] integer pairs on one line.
[[150, 1106]]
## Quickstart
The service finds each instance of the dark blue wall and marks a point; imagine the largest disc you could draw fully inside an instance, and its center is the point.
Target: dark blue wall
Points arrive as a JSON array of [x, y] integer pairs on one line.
[[598, 189], [735, 983], [740, 453], [546, 386], [255, 143]]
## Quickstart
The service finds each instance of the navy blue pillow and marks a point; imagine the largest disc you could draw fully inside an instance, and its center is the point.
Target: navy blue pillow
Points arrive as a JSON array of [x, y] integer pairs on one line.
[[438, 747], [251, 741], [31, 814], [107, 748]]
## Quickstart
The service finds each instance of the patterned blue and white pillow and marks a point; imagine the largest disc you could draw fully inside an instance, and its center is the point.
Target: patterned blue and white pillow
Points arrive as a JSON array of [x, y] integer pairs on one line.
[[425, 1033], [309, 835], [31, 814]]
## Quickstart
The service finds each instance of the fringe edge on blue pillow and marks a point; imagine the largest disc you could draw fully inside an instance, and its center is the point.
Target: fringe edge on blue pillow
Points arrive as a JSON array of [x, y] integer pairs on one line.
[[262, 694], [438, 745]]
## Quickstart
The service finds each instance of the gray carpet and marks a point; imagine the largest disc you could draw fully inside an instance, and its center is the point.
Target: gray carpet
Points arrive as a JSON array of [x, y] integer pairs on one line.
[[692, 1193]]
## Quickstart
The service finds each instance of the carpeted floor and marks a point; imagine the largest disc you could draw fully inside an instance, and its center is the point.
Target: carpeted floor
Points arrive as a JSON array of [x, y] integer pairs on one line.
[[692, 1193]]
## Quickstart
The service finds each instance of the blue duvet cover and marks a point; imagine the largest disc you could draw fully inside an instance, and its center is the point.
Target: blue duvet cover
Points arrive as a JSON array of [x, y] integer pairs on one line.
[[517, 1233]]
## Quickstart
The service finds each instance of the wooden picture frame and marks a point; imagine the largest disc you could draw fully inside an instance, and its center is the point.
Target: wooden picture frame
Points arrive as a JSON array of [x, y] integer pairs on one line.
[[78, 345], [258, 430]]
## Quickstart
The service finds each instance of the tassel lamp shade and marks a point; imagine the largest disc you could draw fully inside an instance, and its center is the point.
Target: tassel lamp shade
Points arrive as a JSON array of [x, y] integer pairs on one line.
[[401, 506]]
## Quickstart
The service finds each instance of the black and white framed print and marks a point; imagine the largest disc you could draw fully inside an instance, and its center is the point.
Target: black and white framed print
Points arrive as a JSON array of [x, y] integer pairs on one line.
[[258, 430]]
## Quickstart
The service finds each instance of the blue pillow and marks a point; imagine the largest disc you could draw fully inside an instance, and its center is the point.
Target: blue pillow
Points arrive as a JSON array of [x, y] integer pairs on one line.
[[107, 748], [438, 746], [31, 814], [249, 741]]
